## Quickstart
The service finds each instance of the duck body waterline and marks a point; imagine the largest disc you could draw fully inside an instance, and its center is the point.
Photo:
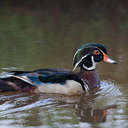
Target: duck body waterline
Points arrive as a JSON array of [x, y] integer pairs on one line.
[[59, 80], [43, 80]]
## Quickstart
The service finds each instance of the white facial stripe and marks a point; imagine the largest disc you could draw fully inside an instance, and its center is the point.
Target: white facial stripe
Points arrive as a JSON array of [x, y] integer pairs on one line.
[[79, 61], [80, 49], [93, 65], [100, 50], [76, 53]]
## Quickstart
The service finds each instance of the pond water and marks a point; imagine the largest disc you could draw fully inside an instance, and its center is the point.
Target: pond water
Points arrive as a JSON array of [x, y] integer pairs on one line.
[[45, 35]]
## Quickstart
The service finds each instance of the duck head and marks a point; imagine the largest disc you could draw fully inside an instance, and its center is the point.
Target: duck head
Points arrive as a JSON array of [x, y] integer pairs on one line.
[[88, 55]]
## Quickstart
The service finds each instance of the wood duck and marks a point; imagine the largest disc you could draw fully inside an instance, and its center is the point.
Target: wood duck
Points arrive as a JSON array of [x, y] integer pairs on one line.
[[59, 80]]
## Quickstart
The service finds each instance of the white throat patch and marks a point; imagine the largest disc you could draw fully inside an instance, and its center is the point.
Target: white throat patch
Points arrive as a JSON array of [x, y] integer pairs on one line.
[[85, 67], [93, 65]]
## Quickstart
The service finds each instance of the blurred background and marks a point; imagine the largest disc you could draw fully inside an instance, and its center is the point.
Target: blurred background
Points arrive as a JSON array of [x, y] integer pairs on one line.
[[45, 34]]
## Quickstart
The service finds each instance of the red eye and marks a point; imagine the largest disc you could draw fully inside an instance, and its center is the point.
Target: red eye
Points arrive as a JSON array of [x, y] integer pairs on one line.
[[96, 52]]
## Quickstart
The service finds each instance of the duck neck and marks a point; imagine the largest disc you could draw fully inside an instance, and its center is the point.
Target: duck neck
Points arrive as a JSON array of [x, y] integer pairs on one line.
[[91, 78]]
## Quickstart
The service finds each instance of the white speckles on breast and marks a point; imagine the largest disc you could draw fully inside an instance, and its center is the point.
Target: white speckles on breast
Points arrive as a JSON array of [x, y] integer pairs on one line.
[[70, 87]]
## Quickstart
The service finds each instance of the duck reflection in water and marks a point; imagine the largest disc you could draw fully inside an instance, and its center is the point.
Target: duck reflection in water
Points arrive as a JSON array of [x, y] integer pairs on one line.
[[91, 114], [87, 111]]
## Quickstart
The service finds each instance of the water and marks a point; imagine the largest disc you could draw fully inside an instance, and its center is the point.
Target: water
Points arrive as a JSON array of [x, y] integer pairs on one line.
[[45, 35]]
